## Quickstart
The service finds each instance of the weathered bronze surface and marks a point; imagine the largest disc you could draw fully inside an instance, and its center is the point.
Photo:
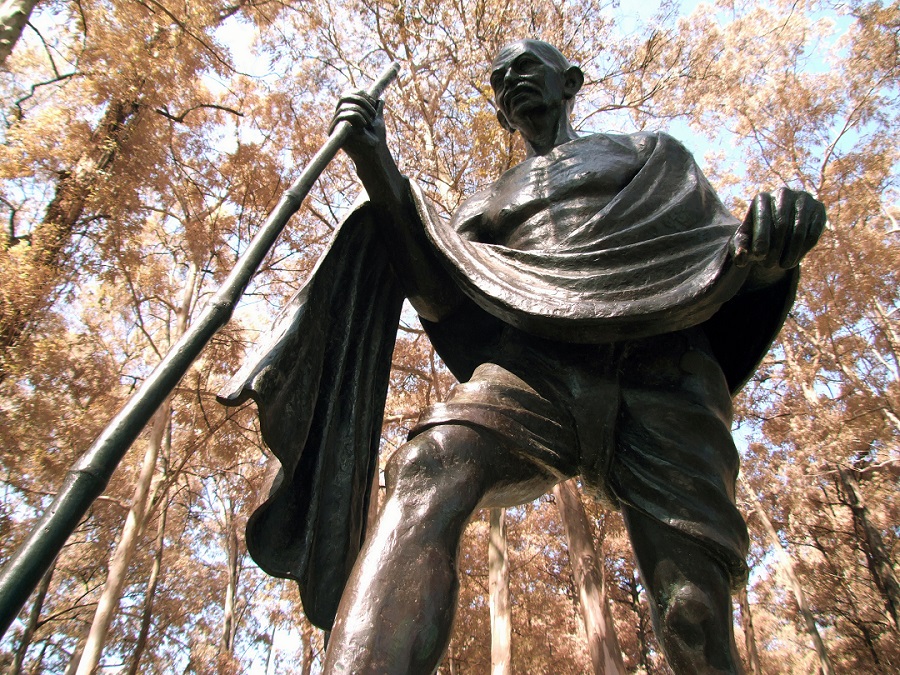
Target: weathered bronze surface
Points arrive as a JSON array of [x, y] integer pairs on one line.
[[600, 307]]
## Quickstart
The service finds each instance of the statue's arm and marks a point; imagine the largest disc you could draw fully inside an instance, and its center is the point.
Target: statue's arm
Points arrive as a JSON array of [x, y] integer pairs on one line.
[[778, 230], [427, 285]]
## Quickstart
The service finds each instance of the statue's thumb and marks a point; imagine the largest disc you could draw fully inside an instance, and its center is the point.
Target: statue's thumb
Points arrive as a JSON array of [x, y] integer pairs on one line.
[[740, 242]]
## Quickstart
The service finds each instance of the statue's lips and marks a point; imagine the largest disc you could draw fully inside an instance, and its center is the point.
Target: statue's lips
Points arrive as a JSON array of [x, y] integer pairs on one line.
[[523, 90]]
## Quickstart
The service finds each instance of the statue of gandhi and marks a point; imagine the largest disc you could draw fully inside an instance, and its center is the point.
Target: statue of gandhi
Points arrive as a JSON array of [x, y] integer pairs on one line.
[[599, 306]]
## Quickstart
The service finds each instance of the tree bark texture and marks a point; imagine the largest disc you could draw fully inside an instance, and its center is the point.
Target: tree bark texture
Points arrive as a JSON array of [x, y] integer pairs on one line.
[[121, 558], [14, 16], [603, 645], [877, 555], [749, 633], [498, 582], [229, 621], [150, 594]]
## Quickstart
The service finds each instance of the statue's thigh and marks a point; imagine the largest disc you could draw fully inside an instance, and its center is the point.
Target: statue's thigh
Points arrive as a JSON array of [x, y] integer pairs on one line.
[[675, 460]]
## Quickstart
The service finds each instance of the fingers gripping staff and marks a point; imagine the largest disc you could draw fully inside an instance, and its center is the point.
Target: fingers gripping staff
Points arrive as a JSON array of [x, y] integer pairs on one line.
[[338, 136], [360, 109]]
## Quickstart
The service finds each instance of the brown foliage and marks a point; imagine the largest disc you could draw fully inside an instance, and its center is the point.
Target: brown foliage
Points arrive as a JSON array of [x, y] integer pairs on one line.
[[140, 142]]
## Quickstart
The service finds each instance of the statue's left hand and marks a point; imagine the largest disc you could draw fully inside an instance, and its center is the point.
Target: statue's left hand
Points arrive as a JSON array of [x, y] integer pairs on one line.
[[778, 230]]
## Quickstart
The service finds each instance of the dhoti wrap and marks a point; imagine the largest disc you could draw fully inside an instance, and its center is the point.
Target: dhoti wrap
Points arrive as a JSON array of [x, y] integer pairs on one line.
[[645, 422]]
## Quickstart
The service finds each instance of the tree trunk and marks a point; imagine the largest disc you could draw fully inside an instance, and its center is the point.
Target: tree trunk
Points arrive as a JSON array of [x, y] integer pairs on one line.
[[498, 582], [787, 566], [150, 594], [306, 644], [14, 16], [749, 633], [270, 652], [51, 236], [30, 627], [38, 665], [121, 558], [643, 621], [452, 662], [603, 645], [229, 627], [877, 556], [137, 515], [76, 656]]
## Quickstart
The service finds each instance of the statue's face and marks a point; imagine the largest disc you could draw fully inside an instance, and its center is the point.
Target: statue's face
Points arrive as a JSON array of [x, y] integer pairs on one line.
[[526, 83]]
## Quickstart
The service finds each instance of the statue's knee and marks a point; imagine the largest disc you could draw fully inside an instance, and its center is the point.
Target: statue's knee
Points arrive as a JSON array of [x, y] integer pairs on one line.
[[415, 460], [433, 460], [687, 616], [696, 633]]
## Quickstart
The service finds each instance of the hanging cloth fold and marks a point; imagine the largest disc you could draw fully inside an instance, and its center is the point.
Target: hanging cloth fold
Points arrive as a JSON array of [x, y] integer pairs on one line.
[[320, 379]]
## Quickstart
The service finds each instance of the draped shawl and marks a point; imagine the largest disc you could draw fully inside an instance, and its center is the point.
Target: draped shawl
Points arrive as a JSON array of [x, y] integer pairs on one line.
[[654, 259]]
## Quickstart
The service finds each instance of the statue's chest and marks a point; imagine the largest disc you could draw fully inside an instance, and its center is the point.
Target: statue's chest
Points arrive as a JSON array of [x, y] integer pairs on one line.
[[545, 198]]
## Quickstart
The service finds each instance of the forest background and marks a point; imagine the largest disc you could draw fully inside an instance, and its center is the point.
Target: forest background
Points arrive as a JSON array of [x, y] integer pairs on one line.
[[144, 141]]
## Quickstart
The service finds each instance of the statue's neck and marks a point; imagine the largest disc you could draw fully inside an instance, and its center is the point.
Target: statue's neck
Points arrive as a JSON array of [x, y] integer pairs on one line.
[[542, 141]]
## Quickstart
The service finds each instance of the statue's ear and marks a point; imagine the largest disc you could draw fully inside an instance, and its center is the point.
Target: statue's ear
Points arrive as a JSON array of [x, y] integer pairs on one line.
[[504, 122], [573, 79]]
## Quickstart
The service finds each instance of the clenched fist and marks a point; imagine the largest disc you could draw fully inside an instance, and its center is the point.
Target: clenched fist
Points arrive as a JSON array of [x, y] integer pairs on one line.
[[778, 230]]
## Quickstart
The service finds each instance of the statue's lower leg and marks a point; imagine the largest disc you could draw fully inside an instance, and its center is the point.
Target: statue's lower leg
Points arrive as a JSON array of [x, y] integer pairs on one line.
[[690, 597], [397, 611]]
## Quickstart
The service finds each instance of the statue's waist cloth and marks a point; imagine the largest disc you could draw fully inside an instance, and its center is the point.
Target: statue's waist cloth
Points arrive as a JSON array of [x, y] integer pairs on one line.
[[644, 422], [636, 253]]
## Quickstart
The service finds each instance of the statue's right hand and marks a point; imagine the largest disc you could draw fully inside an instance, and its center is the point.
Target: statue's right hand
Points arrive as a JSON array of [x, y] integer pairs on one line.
[[367, 147], [366, 118]]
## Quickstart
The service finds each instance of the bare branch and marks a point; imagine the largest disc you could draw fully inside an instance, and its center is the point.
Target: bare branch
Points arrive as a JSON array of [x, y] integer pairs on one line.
[[164, 111]]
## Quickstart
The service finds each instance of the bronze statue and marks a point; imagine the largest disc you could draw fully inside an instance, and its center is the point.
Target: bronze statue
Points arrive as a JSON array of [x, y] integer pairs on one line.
[[598, 304]]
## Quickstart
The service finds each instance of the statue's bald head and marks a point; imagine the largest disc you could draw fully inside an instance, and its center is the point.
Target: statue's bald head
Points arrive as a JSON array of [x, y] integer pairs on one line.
[[532, 64], [548, 53]]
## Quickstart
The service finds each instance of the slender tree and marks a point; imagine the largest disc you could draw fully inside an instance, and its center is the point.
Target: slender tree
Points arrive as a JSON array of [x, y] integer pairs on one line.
[[789, 570], [878, 558], [603, 645], [34, 615], [501, 607], [749, 633], [150, 594]]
